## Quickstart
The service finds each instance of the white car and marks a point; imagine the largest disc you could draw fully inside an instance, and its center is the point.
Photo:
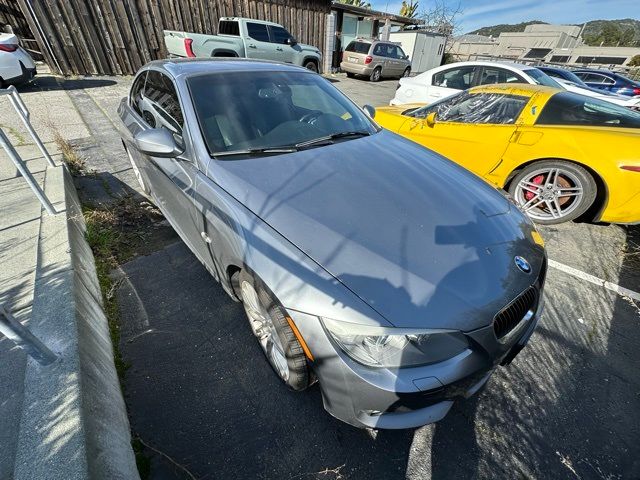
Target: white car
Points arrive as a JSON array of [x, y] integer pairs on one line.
[[16, 65], [447, 80], [622, 100]]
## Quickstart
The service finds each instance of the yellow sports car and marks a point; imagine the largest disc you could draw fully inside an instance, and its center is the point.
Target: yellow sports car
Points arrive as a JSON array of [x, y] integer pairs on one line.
[[560, 155]]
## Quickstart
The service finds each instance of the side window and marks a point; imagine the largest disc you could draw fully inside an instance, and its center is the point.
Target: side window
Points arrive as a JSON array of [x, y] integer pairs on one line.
[[491, 75], [390, 51], [229, 27], [400, 53], [135, 97], [162, 103], [459, 78], [566, 108], [479, 108], [379, 50], [279, 35], [258, 31]]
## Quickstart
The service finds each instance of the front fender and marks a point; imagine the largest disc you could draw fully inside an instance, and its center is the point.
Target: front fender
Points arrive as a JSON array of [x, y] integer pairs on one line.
[[239, 238]]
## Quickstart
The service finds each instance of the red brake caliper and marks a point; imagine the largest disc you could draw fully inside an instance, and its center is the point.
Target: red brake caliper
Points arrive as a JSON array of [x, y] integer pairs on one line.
[[538, 179]]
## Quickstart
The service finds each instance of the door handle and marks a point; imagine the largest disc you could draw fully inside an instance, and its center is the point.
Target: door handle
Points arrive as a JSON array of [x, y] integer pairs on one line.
[[251, 45]]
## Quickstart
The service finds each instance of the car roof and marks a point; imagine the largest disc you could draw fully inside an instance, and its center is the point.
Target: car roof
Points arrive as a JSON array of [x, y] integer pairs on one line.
[[595, 70], [192, 66], [474, 63], [523, 89]]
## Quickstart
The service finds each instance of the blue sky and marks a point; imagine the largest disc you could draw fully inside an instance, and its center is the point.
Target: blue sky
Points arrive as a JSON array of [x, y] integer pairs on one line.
[[480, 13]]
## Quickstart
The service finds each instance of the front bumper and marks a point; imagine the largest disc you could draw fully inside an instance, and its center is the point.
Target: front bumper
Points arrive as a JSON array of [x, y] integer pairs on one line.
[[406, 397]]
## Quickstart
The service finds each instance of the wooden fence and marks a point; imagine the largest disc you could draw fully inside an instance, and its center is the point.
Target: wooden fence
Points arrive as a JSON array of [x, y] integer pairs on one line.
[[115, 37]]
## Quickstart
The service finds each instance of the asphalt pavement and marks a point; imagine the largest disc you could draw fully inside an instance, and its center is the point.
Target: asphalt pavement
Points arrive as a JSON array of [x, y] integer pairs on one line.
[[199, 391]]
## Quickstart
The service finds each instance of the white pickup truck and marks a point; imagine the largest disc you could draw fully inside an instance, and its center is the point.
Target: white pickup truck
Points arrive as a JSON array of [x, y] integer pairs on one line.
[[246, 38]]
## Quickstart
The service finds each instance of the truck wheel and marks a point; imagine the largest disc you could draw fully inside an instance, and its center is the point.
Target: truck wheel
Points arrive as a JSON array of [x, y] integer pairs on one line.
[[270, 325], [376, 75], [311, 65]]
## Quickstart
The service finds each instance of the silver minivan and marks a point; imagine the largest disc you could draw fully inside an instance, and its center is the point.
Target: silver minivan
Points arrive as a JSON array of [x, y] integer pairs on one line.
[[375, 59]]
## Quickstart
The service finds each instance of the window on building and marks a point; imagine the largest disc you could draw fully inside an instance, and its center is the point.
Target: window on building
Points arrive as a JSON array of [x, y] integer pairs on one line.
[[560, 58], [538, 53], [601, 60]]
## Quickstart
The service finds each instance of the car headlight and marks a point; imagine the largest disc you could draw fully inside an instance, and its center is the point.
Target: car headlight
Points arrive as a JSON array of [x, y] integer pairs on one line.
[[395, 347]]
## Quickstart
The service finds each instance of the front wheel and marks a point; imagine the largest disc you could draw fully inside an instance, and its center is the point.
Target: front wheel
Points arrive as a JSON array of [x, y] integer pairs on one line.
[[270, 325], [553, 191], [311, 65], [407, 72]]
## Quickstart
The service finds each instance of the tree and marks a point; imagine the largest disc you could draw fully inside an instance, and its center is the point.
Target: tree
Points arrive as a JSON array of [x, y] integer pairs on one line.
[[409, 9], [635, 61], [356, 3], [442, 18]]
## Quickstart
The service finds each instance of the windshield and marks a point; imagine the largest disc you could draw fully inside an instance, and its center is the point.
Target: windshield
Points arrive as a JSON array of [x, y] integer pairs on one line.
[[566, 75], [269, 110], [542, 78], [567, 108], [490, 108]]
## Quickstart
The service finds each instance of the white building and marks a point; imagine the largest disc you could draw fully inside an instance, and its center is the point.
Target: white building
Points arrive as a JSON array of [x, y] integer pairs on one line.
[[549, 43]]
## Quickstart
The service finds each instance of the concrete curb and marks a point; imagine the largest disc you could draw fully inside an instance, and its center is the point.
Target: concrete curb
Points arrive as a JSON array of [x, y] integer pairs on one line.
[[74, 423]]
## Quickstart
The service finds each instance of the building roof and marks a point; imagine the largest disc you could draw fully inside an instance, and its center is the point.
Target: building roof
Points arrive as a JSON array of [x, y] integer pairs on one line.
[[373, 14]]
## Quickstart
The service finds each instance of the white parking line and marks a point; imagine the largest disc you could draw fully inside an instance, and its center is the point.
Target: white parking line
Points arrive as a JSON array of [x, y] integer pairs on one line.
[[625, 292]]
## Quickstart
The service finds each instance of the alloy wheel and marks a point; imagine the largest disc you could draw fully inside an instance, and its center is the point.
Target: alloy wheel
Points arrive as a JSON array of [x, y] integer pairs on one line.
[[264, 329], [549, 193]]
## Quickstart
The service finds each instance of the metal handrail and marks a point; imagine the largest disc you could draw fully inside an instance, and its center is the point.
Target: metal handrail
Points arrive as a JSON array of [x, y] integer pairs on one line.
[[24, 115], [23, 338], [5, 143]]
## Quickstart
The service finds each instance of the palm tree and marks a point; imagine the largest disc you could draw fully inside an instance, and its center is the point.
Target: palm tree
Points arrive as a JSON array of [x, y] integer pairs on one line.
[[409, 9], [356, 3]]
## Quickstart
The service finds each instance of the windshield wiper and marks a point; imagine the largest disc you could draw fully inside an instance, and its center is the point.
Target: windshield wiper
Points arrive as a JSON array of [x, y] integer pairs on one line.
[[330, 138], [256, 151]]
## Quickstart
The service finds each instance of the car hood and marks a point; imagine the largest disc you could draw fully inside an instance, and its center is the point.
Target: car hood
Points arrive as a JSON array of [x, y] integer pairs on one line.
[[421, 240]]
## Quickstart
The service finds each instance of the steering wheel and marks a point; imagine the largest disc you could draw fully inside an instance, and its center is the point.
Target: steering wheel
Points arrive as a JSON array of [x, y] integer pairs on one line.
[[311, 117]]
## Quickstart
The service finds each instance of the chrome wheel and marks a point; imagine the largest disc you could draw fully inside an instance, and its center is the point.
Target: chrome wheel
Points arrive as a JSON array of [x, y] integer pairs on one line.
[[550, 193], [264, 329], [375, 76]]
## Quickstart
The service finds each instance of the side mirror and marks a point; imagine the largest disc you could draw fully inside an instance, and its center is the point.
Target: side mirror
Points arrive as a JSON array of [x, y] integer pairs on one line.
[[431, 119], [157, 142], [406, 57], [291, 41], [370, 111]]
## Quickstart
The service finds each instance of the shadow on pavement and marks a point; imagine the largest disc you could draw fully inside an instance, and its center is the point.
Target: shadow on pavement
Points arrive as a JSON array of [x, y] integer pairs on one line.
[[200, 391], [48, 82]]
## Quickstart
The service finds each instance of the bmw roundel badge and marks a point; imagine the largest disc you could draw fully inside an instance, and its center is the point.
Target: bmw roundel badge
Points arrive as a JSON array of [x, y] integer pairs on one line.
[[522, 264]]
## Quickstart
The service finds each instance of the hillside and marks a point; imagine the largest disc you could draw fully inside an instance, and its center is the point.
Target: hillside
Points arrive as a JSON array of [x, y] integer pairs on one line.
[[624, 32], [496, 30]]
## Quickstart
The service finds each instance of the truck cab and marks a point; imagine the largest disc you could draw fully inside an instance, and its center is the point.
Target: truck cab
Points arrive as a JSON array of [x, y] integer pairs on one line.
[[248, 38]]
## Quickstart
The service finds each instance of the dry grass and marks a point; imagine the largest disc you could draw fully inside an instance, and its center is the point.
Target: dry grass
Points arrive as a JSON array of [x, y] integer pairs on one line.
[[76, 164]]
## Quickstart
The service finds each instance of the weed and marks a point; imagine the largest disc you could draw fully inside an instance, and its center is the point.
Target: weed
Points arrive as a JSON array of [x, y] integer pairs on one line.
[[20, 140], [76, 164]]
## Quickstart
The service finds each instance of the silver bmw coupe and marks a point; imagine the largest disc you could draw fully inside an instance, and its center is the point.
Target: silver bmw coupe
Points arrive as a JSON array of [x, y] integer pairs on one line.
[[395, 278]]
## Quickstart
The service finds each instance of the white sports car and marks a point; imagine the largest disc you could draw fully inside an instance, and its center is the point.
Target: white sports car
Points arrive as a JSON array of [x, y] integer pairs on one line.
[[16, 65]]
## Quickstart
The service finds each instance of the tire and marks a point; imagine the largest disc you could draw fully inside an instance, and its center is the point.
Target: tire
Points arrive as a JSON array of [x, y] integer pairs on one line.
[[311, 65], [407, 72], [553, 191], [376, 75], [275, 336], [351, 75]]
